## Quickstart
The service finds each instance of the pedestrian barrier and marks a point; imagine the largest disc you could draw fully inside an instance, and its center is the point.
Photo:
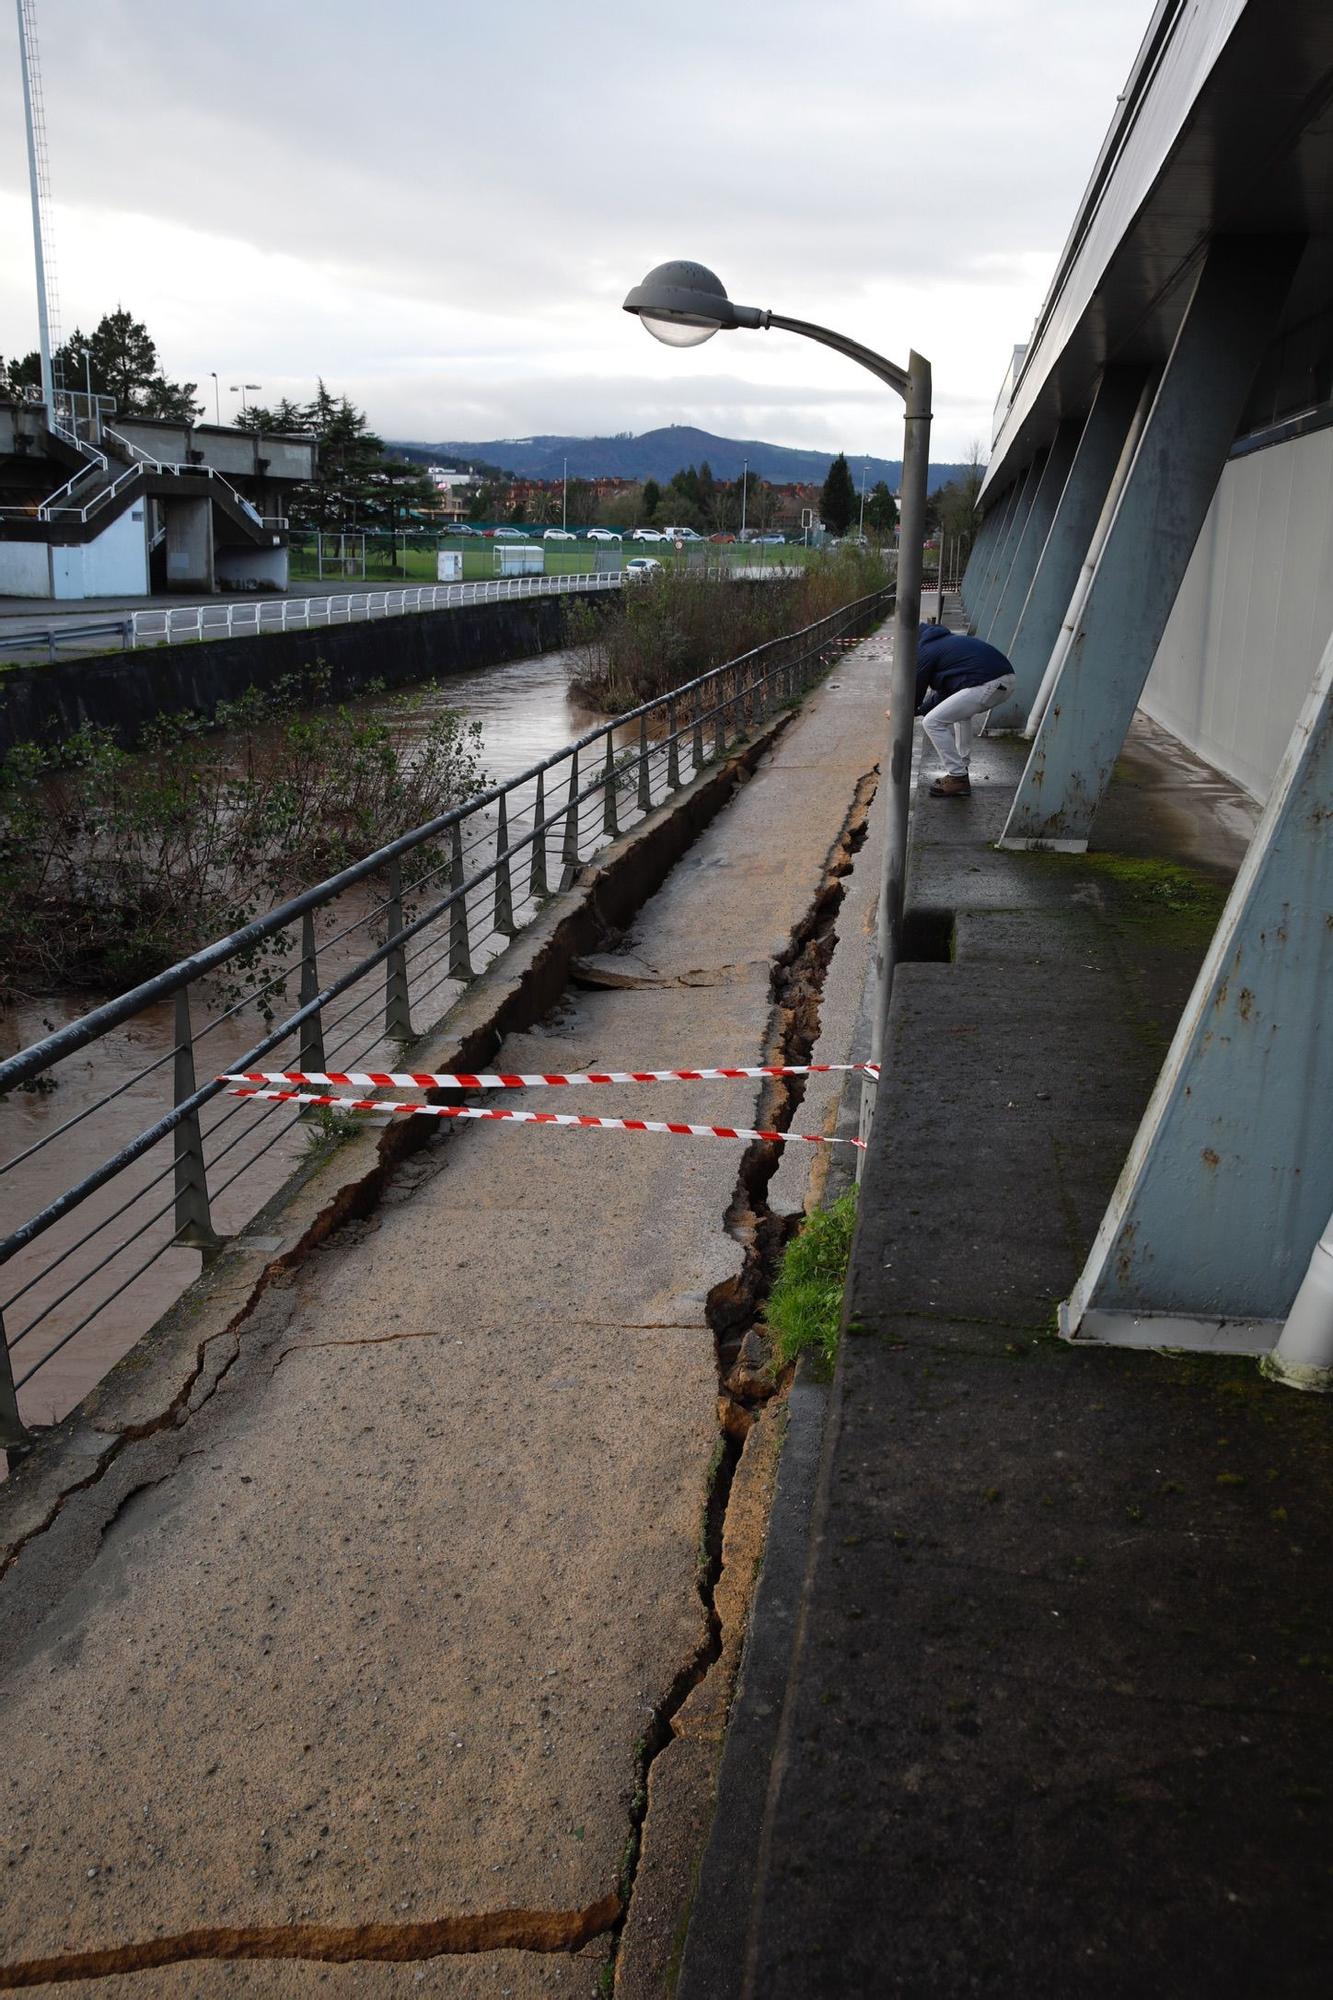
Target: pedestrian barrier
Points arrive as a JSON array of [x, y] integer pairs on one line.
[[376, 954]]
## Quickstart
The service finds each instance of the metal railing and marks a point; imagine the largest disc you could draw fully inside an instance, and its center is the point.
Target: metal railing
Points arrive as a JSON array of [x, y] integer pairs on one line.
[[60, 505], [166, 623], [240, 618], [376, 955]]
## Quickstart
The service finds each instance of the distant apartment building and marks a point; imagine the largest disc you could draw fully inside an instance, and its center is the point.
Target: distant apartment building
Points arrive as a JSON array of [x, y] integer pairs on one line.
[[452, 490]]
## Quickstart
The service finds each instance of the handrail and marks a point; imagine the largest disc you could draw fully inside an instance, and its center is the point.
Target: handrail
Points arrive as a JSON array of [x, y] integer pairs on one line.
[[470, 900]]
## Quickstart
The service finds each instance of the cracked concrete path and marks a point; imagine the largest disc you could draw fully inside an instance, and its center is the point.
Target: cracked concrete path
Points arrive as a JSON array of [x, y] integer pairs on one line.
[[374, 1638]]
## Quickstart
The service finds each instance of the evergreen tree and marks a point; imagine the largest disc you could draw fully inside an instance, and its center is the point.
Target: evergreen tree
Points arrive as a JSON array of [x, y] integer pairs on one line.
[[837, 501], [881, 509], [652, 498]]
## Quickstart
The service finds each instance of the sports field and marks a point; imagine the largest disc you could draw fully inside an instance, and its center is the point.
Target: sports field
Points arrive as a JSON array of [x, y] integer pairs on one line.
[[417, 565]]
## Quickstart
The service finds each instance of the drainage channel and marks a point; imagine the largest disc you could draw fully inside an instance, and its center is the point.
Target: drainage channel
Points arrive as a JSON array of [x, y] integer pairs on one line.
[[746, 1377]]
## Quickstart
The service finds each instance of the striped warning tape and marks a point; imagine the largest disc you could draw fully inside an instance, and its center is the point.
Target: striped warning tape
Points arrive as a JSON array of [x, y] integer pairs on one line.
[[538, 1117], [364, 1079]]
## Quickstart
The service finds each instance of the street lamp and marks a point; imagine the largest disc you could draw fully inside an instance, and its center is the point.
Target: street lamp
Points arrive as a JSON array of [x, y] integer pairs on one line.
[[217, 398], [242, 387], [684, 304]]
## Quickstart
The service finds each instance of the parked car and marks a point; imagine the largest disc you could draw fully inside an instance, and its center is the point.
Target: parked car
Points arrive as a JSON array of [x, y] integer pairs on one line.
[[640, 567], [772, 541], [456, 528], [507, 534], [673, 534], [559, 535], [646, 535], [602, 535], [721, 538]]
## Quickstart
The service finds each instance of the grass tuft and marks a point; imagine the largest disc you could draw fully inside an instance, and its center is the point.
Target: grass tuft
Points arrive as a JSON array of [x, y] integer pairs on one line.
[[804, 1310]]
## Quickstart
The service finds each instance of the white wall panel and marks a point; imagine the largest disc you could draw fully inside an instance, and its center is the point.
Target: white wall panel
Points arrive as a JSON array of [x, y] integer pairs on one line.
[[1254, 613]]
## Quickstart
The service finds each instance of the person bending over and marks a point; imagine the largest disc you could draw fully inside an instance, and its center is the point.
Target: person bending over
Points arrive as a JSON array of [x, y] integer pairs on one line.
[[957, 679]]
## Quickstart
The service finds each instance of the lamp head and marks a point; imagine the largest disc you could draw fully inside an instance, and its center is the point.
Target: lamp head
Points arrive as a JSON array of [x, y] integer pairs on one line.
[[684, 304]]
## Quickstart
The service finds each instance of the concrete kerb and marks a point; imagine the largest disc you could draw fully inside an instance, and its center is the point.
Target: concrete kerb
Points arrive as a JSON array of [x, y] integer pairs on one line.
[[158, 1381]]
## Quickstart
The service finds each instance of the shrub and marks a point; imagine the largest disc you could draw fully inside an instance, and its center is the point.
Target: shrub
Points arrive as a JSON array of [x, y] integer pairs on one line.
[[678, 624], [114, 863]]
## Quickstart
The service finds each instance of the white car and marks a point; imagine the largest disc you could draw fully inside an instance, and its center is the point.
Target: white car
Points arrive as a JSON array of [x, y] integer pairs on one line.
[[642, 567], [602, 535], [559, 535], [646, 535]]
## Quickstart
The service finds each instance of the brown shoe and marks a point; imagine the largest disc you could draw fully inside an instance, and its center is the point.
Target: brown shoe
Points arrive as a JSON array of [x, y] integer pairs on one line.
[[951, 788]]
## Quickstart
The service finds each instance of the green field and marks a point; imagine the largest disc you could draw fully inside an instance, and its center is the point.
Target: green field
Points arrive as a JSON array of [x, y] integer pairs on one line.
[[417, 565]]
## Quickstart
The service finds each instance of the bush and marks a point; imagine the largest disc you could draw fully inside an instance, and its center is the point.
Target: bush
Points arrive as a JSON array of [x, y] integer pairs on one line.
[[680, 623], [115, 863]]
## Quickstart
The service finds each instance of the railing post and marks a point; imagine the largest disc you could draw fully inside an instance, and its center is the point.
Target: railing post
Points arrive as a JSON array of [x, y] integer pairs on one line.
[[397, 1009], [645, 783], [609, 826], [697, 742], [312, 1028], [460, 956], [718, 690], [673, 748], [504, 895], [15, 1437], [570, 853], [194, 1220], [537, 888]]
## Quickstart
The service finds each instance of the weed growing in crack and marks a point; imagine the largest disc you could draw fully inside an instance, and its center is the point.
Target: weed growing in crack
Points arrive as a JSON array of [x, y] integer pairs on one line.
[[805, 1305], [327, 1127]]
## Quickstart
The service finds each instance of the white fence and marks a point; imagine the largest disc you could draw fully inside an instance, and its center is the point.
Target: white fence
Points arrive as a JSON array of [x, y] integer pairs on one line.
[[167, 623]]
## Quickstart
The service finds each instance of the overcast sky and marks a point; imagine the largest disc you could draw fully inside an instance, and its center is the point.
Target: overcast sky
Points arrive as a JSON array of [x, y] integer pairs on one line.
[[439, 204]]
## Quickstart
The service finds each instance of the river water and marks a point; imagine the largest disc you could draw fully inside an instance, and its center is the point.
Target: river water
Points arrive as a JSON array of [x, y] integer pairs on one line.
[[526, 713]]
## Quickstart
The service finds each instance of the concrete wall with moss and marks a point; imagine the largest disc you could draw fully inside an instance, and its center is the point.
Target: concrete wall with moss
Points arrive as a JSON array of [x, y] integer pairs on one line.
[[1254, 613]]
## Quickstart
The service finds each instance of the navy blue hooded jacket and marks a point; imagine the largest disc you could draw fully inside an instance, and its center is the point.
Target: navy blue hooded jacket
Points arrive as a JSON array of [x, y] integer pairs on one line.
[[947, 662]]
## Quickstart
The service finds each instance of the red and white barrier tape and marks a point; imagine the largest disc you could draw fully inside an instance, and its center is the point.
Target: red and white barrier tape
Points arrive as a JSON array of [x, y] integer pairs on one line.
[[361, 1079], [538, 1117]]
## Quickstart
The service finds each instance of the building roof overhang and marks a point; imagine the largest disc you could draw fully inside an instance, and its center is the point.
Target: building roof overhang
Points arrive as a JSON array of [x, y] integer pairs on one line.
[[1224, 128]]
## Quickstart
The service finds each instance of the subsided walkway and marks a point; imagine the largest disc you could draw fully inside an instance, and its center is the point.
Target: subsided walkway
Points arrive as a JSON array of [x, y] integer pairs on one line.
[[1044, 1704], [370, 1658]]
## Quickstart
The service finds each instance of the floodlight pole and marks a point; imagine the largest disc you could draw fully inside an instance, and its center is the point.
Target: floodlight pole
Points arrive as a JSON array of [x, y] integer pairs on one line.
[[39, 255]]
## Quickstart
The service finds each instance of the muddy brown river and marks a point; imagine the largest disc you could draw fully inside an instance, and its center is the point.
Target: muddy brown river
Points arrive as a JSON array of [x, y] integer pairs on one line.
[[72, 1307]]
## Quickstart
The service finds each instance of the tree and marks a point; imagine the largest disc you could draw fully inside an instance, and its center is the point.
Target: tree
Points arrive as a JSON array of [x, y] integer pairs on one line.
[[953, 507], [837, 501], [397, 490], [652, 498], [122, 362], [881, 509]]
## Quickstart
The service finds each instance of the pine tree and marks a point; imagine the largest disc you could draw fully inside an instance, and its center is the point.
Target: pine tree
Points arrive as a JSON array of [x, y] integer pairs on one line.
[[881, 509], [837, 501]]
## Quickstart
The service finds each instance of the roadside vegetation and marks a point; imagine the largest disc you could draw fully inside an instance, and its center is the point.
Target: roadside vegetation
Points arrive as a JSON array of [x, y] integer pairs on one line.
[[804, 1310], [678, 623], [115, 863]]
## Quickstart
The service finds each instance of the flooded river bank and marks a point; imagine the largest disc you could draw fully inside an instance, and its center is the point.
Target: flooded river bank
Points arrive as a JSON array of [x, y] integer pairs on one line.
[[81, 1295]]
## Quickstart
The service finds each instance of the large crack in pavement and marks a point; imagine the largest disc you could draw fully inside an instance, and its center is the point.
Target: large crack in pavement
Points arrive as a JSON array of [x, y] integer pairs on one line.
[[330, 1944], [746, 1379], [796, 984]]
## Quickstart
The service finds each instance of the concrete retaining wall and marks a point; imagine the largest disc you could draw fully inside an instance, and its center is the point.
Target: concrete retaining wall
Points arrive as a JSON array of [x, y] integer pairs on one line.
[[123, 691], [1254, 612]]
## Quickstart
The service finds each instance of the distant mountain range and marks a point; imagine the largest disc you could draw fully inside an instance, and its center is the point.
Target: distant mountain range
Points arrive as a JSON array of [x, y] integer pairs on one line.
[[656, 455]]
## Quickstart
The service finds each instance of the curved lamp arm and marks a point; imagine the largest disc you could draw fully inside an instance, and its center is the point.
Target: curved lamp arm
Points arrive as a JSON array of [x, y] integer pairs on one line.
[[887, 371]]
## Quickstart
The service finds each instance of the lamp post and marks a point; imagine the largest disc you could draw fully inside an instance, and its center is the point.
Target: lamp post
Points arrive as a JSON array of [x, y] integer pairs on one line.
[[745, 480], [861, 526], [242, 387], [684, 304], [217, 398]]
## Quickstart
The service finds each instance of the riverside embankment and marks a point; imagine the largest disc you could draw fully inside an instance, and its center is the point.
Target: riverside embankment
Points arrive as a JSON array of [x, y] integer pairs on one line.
[[525, 711], [349, 1665]]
